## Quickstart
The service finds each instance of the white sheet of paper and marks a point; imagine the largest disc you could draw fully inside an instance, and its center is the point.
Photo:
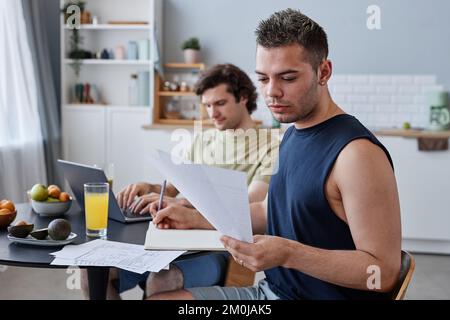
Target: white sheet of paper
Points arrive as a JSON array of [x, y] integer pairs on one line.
[[115, 254], [176, 239], [221, 195], [63, 262], [70, 251]]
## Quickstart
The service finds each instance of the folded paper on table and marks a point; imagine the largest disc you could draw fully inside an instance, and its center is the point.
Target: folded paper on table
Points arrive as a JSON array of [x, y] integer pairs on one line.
[[104, 253], [172, 239], [219, 194]]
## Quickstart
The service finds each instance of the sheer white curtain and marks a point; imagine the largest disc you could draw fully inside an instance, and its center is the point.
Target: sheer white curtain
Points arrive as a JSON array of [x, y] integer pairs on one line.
[[21, 149]]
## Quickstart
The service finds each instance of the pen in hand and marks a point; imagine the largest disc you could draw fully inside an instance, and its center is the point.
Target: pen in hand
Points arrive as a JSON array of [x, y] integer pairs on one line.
[[161, 195]]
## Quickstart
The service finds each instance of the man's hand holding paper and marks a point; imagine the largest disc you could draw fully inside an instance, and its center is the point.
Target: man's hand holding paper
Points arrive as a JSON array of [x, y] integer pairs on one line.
[[220, 195]]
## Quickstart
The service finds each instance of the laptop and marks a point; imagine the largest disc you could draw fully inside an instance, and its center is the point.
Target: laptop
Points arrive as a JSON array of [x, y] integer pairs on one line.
[[78, 174]]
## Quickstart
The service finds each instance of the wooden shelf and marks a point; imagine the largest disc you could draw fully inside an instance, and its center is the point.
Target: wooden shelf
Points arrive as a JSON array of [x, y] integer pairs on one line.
[[111, 62], [162, 96], [176, 124], [178, 65], [183, 123], [96, 105], [176, 94], [112, 27], [414, 133]]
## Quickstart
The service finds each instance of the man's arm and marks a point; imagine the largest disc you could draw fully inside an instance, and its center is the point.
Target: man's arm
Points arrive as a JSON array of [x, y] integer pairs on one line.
[[257, 191], [258, 213], [367, 187], [171, 191]]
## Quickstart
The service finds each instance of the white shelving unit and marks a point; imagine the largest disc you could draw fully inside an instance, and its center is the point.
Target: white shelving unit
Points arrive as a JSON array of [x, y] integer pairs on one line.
[[100, 133], [112, 62], [112, 27], [112, 83]]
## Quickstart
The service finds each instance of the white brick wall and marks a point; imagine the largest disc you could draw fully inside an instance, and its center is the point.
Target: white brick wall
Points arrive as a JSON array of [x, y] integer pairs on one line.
[[384, 101]]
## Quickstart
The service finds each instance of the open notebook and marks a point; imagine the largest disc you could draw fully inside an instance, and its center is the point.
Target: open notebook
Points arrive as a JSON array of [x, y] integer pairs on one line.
[[171, 239]]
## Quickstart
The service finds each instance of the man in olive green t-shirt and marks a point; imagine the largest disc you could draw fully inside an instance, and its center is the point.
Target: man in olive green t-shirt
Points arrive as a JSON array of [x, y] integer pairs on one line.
[[252, 151], [235, 143]]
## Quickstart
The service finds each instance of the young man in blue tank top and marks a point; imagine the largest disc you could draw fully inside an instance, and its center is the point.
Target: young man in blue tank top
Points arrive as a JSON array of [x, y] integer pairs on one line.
[[229, 97], [329, 227]]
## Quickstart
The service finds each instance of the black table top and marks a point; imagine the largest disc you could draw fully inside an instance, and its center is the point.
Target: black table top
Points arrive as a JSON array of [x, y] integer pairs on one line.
[[16, 254]]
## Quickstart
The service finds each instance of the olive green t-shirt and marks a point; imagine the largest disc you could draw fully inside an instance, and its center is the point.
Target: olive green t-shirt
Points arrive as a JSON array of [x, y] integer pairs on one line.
[[254, 151]]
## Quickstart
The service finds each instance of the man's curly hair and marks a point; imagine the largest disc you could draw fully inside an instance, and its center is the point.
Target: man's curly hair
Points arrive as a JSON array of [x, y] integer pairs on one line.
[[238, 83]]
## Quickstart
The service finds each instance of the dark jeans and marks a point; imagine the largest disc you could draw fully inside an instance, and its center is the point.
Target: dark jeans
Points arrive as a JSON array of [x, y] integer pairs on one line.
[[202, 271]]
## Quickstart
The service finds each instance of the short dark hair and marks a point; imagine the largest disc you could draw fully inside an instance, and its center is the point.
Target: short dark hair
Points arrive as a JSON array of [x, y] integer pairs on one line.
[[237, 81], [290, 26]]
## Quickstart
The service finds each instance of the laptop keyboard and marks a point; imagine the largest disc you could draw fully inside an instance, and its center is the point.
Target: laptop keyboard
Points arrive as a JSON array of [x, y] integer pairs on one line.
[[129, 214]]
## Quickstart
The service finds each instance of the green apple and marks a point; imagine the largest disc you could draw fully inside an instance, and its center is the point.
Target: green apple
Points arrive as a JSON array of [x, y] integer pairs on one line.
[[39, 192], [406, 125]]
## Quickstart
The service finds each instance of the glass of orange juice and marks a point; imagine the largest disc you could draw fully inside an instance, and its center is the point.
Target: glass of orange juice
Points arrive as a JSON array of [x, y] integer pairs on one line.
[[96, 198]]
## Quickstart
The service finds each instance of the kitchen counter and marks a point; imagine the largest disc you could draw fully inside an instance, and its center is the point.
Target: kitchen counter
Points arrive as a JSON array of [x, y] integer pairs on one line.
[[413, 133]]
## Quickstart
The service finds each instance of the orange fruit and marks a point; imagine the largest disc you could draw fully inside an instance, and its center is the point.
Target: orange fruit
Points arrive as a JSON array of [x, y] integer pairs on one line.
[[21, 223], [7, 204], [64, 196], [54, 192], [4, 212]]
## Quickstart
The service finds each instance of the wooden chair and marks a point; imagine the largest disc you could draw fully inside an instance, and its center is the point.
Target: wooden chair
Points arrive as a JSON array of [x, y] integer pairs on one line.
[[406, 272], [238, 276]]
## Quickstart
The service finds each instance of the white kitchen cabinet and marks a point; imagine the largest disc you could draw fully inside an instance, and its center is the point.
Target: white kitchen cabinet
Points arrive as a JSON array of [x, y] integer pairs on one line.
[[423, 180], [84, 134], [126, 144]]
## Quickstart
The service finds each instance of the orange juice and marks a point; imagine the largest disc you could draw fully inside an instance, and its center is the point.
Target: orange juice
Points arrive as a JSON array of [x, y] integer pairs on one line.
[[96, 207]]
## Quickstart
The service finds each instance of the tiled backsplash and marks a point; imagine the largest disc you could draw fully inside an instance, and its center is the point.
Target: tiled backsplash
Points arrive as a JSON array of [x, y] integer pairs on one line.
[[384, 101]]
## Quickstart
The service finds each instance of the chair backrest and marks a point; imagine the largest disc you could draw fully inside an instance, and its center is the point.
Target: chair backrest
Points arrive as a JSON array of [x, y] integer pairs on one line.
[[406, 272]]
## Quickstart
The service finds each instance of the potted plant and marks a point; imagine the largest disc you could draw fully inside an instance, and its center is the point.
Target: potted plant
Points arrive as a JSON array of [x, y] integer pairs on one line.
[[75, 51], [191, 50]]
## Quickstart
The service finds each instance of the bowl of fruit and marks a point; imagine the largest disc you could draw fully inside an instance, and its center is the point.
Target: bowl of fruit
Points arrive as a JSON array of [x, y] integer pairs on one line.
[[8, 213], [49, 201]]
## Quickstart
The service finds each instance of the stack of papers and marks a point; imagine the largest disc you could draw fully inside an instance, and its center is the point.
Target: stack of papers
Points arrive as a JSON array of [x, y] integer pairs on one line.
[[220, 195], [104, 253]]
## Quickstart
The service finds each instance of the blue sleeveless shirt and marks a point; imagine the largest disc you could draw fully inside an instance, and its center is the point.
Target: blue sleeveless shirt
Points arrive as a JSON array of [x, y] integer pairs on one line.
[[298, 209]]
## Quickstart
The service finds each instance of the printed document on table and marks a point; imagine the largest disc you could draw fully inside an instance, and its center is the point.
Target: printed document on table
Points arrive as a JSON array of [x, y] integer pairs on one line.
[[221, 195], [115, 254]]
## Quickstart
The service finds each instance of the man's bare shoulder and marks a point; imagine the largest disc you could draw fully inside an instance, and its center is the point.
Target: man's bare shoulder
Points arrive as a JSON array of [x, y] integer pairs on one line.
[[363, 150], [361, 157]]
